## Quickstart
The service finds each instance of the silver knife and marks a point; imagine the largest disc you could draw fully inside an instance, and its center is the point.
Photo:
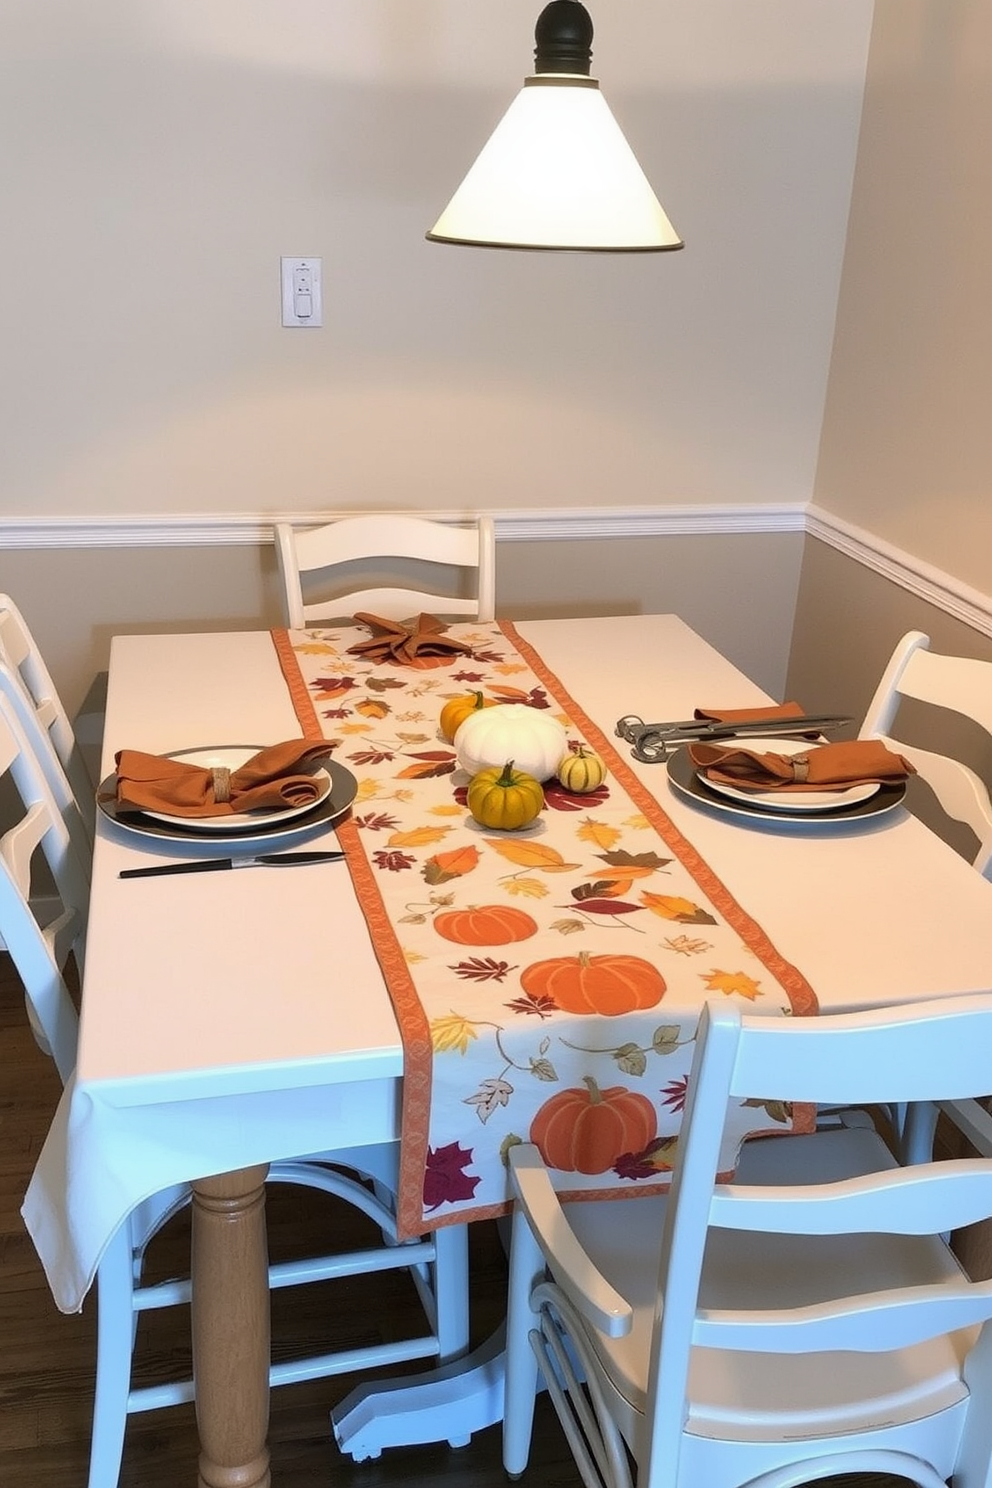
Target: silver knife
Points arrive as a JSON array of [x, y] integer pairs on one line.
[[207, 865]]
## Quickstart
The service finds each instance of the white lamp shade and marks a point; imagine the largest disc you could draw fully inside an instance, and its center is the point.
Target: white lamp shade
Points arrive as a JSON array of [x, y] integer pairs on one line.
[[557, 172]]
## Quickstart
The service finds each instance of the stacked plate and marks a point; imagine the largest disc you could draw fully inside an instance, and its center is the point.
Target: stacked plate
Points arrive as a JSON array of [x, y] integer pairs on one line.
[[856, 802], [337, 788]]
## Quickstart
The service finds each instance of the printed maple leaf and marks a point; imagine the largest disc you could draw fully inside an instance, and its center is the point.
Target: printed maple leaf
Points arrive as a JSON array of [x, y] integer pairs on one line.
[[528, 888], [393, 862], [467, 676], [600, 833], [537, 1003], [482, 969], [328, 687], [673, 1094], [445, 1179], [673, 907], [729, 982], [371, 757], [451, 1032], [382, 684], [559, 799], [379, 822]]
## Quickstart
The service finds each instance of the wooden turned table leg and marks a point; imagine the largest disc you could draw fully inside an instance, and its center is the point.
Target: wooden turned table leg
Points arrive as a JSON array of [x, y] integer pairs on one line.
[[230, 1327]]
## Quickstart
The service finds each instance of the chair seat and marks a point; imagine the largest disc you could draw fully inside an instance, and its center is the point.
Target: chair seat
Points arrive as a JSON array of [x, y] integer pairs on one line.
[[814, 1394]]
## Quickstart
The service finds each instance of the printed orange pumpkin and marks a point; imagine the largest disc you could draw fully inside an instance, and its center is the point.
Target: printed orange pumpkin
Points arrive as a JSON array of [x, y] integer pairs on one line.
[[610, 984], [585, 1131], [485, 924]]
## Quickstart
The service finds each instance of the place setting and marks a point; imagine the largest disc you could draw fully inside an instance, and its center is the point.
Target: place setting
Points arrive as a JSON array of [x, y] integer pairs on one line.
[[239, 797], [772, 765]]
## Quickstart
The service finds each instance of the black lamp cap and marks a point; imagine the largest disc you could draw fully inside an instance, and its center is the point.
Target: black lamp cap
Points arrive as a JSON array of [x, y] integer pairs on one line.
[[564, 38]]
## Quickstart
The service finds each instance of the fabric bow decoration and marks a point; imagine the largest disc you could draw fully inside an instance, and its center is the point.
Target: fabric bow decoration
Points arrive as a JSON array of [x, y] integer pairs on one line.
[[827, 767], [422, 642], [274, 778]]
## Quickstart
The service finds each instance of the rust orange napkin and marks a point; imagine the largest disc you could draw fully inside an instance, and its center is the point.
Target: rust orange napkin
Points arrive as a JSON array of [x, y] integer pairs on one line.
[[421, 643], [827, 767], [274, 777], [771, 711]]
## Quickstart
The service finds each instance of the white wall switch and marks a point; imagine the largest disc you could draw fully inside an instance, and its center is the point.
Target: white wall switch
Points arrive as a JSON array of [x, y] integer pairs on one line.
[[302, 302]]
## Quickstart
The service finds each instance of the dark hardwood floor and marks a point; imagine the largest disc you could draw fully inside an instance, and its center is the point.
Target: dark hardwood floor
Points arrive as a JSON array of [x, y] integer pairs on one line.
[[46, 1360]]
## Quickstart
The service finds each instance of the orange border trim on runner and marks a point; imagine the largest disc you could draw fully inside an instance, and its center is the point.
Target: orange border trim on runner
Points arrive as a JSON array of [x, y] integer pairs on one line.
[[418, 1053]]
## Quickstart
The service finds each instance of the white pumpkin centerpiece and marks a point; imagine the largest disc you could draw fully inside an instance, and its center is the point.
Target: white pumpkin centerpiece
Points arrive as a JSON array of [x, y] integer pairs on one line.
[[530, 738]]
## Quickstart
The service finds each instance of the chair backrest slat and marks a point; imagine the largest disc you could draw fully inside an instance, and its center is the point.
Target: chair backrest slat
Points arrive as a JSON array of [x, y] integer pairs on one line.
[[389, 541], [960, 684]]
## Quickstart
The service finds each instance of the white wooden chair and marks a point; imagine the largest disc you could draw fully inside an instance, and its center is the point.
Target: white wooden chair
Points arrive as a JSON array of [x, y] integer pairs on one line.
[[43, 716], [964, 686], [40, 954], [355, 554], [803, 1321]]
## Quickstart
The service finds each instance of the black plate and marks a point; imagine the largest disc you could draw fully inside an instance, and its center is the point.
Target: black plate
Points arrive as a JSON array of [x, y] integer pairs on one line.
[[344, 788], [684, 777]]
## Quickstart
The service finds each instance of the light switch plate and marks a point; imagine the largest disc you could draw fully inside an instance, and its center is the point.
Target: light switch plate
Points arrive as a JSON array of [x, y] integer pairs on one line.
[[302, 300]]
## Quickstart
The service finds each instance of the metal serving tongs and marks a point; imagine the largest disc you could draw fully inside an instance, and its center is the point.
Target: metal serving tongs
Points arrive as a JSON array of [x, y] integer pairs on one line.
[[653, 743]]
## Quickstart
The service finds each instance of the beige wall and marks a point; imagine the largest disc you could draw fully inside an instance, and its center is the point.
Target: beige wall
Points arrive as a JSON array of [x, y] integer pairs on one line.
[[76, 601], [158, 156], [907, 435], [906, 451]]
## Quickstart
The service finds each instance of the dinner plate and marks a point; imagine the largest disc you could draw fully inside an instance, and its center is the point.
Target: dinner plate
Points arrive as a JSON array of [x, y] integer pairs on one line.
[[685, 780], [232, 757], [800, 801], [263, 828]]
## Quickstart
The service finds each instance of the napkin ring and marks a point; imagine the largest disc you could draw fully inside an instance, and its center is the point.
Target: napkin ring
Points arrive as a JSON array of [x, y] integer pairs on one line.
[[221, 777], [800, 768]]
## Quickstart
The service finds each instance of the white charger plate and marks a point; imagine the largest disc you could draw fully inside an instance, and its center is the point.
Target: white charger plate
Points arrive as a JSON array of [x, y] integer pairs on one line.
[[232, 757], [818, 801]]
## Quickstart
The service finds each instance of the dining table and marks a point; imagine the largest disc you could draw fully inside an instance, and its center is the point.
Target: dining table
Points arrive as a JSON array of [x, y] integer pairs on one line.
[[230, 1019]]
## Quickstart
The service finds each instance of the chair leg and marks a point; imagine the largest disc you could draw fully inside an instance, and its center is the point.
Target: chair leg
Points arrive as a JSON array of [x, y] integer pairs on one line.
[[451, 1291], [526, 1270], [115, 1334]]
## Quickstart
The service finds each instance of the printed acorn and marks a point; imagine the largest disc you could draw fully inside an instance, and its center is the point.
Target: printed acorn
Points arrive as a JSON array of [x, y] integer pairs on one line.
[[582, 771]]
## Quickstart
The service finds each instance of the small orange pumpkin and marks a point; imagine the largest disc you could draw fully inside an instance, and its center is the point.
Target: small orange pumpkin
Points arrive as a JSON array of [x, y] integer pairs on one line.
[[485, 924], [585, 1131], [610, 984], [457, 709]]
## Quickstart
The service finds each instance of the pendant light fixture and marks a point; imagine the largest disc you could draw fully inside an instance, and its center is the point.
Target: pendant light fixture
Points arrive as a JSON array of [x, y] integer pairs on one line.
[[557, 171]]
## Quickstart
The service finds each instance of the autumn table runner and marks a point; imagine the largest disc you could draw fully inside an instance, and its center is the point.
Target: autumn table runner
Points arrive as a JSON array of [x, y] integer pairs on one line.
[[547, 982]]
